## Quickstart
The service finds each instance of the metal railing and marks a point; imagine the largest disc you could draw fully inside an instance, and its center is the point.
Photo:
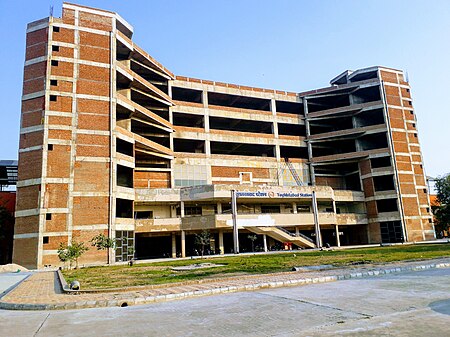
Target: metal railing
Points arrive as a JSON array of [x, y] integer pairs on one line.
[[294, 235]]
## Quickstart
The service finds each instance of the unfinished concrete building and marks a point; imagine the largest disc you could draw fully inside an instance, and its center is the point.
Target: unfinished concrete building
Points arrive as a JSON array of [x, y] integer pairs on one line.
[[112, 142]]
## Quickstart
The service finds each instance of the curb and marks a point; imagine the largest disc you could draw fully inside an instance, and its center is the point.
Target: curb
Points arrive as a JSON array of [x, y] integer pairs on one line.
[[218, 290]]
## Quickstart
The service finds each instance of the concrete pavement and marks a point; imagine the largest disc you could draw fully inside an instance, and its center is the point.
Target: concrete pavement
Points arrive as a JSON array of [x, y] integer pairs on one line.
[[8, 280], [404, 304], [42, 291]]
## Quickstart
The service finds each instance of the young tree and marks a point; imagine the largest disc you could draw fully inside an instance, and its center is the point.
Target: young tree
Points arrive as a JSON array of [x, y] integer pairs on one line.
[[442, 212], [203, 239], [252, 238], [71, 252], [102, 242]]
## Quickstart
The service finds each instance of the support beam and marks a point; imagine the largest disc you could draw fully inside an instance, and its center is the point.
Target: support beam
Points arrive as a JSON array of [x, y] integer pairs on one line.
[[294, 207], [234, 215], [219, 208], [338, 240], [316, 220], [221, 247], [183, 244], [174, 245], [308, 134], [182, 209]]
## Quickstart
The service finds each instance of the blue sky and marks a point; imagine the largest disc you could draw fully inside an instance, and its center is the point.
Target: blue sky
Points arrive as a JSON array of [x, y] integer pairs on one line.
[[282, 44]]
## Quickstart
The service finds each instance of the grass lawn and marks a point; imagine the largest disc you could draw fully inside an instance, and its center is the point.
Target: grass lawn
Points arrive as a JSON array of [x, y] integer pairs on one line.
[[161, 272]]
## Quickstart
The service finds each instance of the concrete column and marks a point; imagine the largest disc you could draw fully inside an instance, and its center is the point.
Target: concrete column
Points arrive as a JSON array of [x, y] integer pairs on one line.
[[174, 245], [172, 177], [182, 208], [183, 244], [205, 109], [273, 108], [294, 207], [219, 208], [338, 240], [297, 231], [221, 247], [265, 242], [308, 133], [316, 220], [173, 212], [206, 126]]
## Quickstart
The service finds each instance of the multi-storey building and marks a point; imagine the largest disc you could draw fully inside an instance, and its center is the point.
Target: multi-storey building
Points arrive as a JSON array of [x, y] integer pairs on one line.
[[112, 142]]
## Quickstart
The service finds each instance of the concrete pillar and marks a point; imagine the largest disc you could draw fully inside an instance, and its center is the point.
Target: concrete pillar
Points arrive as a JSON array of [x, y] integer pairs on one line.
[[294, 207], [308, 133], [173, 212], [174, 245], [297, 231], [206, 126], [182, 209], [273, 109], [338, 240], [221, 247], [205, 109], [316, 220], [219, 208], [265, 242], [183, 244]]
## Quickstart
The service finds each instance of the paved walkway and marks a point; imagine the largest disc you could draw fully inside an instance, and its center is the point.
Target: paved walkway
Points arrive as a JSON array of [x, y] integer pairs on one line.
[[42, 290]]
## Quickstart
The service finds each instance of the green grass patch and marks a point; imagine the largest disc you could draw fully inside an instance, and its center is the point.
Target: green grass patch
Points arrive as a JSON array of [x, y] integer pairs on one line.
[[161, 272]]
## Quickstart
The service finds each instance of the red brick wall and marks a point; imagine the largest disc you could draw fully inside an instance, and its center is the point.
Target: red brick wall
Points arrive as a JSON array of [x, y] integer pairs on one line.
[[145, 179]]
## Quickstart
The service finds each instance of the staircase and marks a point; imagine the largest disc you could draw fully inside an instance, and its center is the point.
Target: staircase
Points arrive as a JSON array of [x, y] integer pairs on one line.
[[282, 235], [293, 171]]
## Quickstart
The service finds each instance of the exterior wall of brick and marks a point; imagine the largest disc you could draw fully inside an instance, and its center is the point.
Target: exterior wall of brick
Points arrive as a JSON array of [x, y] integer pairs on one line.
[[145, 179], [411, 177], [79, 139], [25, 252]]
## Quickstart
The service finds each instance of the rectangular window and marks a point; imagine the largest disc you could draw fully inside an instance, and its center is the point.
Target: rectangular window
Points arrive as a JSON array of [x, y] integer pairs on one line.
[[54, 63], [45, 240], [48, 216], [56, 29], [143, 215], [270, 209], [193, 210], [303, 209], [53, 98], [50, 147], [55, 48], [226, 208], [53, 82]]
